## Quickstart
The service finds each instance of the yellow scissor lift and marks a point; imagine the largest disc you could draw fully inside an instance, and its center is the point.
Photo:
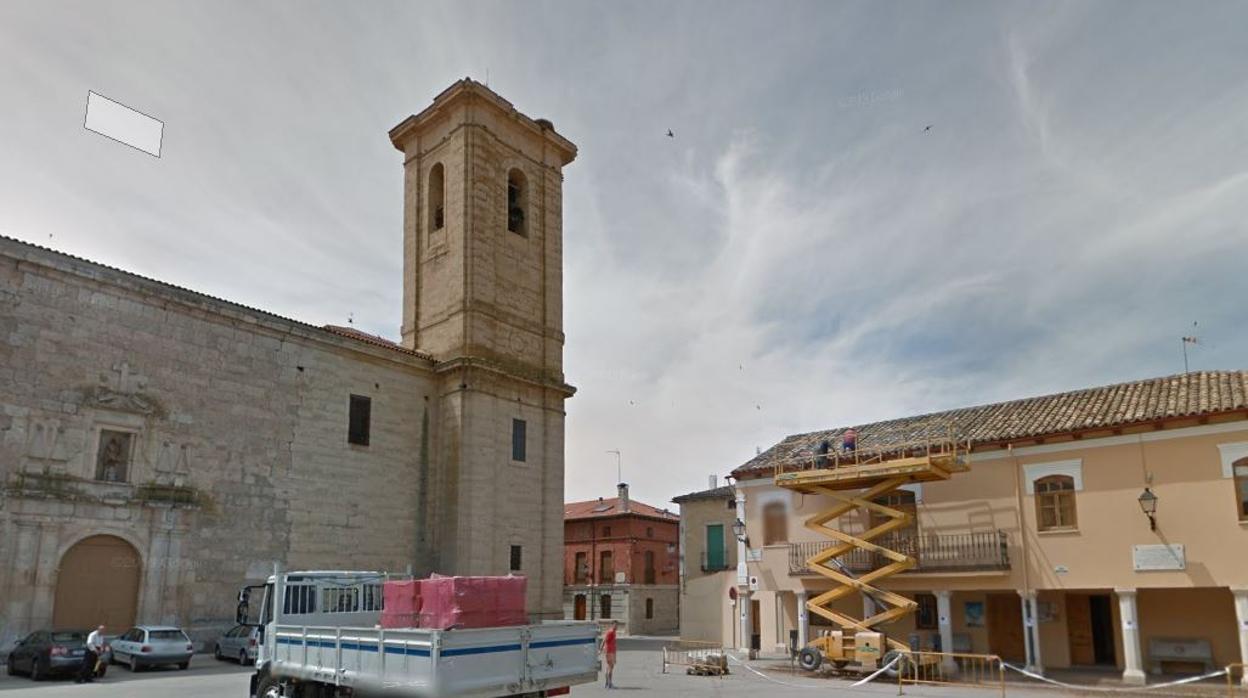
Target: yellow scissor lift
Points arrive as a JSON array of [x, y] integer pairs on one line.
[[854, 480]]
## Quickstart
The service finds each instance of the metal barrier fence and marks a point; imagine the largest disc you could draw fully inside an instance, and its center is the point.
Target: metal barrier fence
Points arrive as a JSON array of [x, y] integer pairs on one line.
[[950, 669], [708, 656]]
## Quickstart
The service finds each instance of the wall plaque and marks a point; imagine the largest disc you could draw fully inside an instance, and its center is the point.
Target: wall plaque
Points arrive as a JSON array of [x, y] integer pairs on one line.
[[1148, 558]]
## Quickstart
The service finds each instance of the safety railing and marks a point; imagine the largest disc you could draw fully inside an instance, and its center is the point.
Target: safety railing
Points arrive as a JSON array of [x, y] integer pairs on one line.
[[957, 552], [950, 669], [698, 657], [939, 441], [716, 563]]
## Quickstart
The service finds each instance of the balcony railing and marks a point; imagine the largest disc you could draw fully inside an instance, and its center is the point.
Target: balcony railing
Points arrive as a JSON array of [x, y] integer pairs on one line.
[[718, 565], [960, 552]]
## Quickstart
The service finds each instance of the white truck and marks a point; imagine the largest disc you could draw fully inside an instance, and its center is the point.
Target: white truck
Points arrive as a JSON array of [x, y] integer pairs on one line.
[[323, 640]]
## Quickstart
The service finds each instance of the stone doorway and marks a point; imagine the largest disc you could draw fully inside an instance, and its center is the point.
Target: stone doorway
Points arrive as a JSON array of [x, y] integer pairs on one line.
[[97, 583]]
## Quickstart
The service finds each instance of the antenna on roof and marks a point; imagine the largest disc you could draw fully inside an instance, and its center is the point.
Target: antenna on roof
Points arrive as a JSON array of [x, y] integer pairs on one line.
[[350, 318], [1190, 339]]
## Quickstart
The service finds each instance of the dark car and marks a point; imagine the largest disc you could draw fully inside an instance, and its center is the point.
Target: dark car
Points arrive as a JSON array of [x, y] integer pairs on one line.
[[46, 653]]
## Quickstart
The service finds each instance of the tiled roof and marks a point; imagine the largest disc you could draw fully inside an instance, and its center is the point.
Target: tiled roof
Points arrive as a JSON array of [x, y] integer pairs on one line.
[[31, 248], [725, 492], [598, 508], [1194, 394], [369, 338]]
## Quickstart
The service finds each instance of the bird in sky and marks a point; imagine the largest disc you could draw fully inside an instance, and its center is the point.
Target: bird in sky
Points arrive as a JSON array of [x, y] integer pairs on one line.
[[929, 128], [670, 134]]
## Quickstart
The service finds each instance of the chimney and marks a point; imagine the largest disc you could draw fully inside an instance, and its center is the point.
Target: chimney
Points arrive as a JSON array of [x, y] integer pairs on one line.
[[623, 489], [714, 481]]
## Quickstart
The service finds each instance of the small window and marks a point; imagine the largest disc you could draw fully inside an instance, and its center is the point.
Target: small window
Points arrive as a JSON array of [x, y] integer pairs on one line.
[[604, 605], [437, 197], [113, 459], [518, 438], [606, 567], [649, 568], [1240, 470], [606, 531], [580, 573], [925, 613], [358, 420], [649, 609], [515, 558], [775, 523], [517, 197], [1055, 503], [649, 532]]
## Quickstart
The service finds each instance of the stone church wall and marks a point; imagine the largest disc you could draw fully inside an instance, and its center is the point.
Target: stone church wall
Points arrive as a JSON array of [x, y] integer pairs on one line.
[[234, 426]]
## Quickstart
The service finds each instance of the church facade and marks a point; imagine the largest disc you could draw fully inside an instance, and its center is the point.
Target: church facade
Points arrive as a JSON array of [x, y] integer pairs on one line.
[[159, 448]]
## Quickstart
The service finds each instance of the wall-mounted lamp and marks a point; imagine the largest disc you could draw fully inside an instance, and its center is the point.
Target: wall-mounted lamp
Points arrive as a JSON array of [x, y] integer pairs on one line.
[[738, 530], [1148, 504]]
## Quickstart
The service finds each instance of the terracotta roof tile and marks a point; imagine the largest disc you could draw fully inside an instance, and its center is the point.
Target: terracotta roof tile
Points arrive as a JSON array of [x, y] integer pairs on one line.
[[1185, 395], [598, 508]]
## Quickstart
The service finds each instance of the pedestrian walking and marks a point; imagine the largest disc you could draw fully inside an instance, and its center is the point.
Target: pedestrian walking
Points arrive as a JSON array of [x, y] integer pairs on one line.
[[608, 652], [95, 647]]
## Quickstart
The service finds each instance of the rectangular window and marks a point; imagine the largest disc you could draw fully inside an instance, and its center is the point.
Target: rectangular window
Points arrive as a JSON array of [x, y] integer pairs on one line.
[[604, 605], [581, 572], [1241, 488], [358, 420], [606, 568], [518, 427], [925, 613], [716, 554], [649, 573], [649, 609], [515, 558], [1055, 503]]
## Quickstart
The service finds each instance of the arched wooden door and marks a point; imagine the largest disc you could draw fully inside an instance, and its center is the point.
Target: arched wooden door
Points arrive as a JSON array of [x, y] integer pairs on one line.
[[578, 610], [98, 583]]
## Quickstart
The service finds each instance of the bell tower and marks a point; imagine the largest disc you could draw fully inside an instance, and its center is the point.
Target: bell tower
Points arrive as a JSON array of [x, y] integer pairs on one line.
[[483, 295]]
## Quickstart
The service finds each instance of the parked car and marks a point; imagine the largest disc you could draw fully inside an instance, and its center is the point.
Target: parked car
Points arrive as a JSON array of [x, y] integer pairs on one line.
[[146, 646], [46, 653], [238, 643]]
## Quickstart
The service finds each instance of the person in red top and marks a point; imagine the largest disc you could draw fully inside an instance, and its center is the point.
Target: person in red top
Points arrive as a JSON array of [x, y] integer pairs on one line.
[[608, 651]]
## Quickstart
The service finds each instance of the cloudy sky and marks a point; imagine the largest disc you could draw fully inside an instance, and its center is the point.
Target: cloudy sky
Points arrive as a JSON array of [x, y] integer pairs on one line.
[[803, 254]]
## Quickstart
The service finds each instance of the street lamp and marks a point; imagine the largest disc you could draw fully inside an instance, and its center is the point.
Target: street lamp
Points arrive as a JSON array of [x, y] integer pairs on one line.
[[738, 530], [1148, 504]]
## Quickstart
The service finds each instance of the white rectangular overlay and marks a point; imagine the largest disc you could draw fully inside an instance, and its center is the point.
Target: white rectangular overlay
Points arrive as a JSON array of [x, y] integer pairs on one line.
[[123, 124]]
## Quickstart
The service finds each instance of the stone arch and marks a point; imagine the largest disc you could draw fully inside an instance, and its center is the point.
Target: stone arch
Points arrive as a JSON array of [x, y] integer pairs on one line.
[[98, 582]]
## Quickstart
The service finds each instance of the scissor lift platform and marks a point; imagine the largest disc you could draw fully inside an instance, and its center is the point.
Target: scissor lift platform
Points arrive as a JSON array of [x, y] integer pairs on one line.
[[857, 479]]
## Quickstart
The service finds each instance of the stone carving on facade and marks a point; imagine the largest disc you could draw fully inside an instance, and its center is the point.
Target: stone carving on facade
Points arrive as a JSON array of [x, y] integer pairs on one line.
[[122, 391], [113, 461]]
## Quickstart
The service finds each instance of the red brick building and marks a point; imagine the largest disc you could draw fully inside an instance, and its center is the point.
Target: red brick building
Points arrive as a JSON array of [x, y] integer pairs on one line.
[[621, 562]]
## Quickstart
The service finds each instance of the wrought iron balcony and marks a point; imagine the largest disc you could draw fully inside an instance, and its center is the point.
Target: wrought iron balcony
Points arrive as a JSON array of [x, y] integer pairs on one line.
[[720, 563], [987, 551]]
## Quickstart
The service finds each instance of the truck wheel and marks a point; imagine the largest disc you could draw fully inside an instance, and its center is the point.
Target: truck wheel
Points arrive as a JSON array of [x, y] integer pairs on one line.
[[269, 687], [809, 659]]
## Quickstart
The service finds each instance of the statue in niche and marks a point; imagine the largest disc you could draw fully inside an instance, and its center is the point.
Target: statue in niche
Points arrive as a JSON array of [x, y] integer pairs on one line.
[[113, 461]]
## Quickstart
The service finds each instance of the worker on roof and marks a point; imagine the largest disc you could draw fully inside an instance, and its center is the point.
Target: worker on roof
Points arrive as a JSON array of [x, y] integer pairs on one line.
[[849, 440]]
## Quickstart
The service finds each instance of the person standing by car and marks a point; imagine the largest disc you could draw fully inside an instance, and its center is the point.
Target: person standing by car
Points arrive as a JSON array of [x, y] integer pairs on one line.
[[95, 648]]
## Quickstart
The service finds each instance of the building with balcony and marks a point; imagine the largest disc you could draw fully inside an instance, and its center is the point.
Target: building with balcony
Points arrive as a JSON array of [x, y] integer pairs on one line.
[[1103, 527], [708, 563], [621, 563]]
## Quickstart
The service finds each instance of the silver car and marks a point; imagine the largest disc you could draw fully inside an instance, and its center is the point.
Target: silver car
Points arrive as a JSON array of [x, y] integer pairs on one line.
[[238, 643], [146, 646]]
